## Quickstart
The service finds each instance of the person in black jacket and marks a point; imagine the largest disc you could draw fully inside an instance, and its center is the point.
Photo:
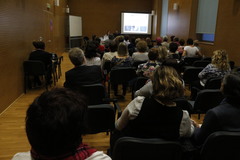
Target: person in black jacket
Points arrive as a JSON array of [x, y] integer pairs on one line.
[[41, 55], [81, 74]]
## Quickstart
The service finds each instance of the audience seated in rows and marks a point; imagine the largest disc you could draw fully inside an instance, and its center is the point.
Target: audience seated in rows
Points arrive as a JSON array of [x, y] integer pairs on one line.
[[141, 54], [55, 122], [156, 116], [165, 42], [224, 117], [112, 52], [81, 74]]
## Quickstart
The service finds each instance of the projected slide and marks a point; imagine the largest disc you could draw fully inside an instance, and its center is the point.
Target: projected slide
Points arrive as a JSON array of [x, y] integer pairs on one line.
[[136, 23]]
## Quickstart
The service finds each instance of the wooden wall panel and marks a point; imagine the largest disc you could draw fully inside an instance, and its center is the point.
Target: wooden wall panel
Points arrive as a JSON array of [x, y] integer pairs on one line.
[[99, 16], [22, 21]]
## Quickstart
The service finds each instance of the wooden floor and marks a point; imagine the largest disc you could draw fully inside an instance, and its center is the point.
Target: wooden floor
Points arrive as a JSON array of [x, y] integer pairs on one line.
[[12, 121]]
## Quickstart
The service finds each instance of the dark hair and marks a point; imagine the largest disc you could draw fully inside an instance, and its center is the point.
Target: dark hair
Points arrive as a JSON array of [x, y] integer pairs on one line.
[[182, 42], [55, 122], [91, 50], [190, 41], [39, 44], [172, 38], [113, 46], [231, 87], [173, 47], [153, 54]]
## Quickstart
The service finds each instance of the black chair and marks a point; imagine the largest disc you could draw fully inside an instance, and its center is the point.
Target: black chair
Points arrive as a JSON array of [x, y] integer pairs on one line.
[[136, 63], [232, 64], [106, 69], [34, 68], [96, 94], [221, 145], [129, 148], [101, 118], [205, 100], [121, 75], [139, 83], [188, 61], [190, 74], [207, 59], [184, 104], [213, 83], [201, 63]]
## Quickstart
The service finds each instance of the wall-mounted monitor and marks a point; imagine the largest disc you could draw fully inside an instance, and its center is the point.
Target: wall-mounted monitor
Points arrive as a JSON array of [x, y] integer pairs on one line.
[[136, 23]]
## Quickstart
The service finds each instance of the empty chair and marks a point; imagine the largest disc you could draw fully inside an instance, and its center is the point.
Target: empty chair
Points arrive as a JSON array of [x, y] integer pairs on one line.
[[34, 68], [139, 83], [188, 61], [201, 63], [190, 74], [101, 118], [206, 99], [121, 75], [184, 104], [221, 145], [129, 148], [213, 83]]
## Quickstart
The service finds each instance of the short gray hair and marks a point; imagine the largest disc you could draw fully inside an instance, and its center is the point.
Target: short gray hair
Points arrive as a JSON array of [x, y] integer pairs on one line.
[[76, 55]]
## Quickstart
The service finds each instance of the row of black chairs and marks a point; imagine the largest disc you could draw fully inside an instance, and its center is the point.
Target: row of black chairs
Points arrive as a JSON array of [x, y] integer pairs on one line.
[[221, 145]]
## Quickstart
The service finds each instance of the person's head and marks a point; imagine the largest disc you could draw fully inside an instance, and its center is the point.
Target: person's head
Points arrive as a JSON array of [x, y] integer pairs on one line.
[[119, 39], [122, 49], [39, 44], [231, 87], [165, 38], [189, 41], [181, 42], [113, 46], [166, 84], [172, 38], [141, 46], [220, 59], [158, 40], [173, 47], [55, 122], [162, 53], [76, 56], [153, 54], [176, 39], [91, 49]]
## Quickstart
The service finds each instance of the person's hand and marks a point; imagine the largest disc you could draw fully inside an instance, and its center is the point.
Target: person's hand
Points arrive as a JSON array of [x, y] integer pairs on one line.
[[195, 124]]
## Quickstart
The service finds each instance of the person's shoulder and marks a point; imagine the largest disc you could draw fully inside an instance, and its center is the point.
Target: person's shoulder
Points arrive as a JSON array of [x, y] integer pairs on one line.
[[99, 155], [22, 156]]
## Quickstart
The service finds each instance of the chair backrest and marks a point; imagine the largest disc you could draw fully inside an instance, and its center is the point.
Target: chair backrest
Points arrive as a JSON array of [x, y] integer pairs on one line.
[[139, 83], [207, 99], [136, 63], [122, 74], [201, 63], [129, 148], [184, 104], [188, 61], [207, 59], [213, 83], [190, 74], [221, 145], [95, 93], [107, 66], [34, 67], [101, 118]]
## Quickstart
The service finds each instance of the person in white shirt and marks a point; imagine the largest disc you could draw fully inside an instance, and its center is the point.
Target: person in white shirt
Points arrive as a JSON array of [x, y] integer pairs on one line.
[[190, 50]]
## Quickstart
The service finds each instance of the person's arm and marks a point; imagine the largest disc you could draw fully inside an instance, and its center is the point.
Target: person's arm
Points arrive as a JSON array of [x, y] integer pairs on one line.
[[198, 52], [184, 53], [145, 91], [210, 125], [129, 113], [203, 73], [186, 126]]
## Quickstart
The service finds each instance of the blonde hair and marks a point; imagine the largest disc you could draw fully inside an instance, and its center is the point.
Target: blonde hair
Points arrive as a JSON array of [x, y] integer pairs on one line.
[[162, 53], [220, 59], [166, 84], [122, 49], [142, 46]]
